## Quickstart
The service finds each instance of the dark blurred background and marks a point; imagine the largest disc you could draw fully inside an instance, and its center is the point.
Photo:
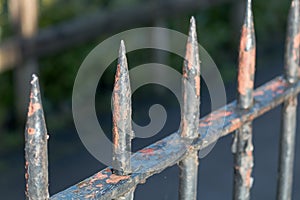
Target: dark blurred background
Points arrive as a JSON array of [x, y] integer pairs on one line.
[[88, 22]]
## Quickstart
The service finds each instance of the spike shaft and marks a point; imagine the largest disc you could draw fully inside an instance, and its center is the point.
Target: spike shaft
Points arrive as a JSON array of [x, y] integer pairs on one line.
[[122, 129], [36, 147], [289, 109], [242, 147], [190, 116], [247, 55]]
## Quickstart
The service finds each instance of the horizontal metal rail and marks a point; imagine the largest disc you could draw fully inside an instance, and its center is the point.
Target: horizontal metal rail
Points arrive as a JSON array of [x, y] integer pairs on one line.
[[168, 151]]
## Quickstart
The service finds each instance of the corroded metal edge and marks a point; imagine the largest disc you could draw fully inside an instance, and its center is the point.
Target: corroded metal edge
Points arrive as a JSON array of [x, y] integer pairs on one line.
[[168, 151]]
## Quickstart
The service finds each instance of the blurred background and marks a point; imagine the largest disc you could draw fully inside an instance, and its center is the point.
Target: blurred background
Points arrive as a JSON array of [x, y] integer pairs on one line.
[[52, 38]]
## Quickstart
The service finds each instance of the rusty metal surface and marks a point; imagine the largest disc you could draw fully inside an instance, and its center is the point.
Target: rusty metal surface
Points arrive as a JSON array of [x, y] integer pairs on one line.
[[122, 130], [289, 113], [121, 109], [168, 151], [190, 115], [292, 51], [36, 156], [242, 146], [287, 149], [246, 60]]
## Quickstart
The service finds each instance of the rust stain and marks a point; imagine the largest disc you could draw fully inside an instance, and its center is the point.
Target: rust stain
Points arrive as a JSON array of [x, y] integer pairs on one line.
[[275, 85], [249, 170], [148, 151], [101, 176], [31, 131], [115, 135], [98, 176], [82, 184], [259, 93], [197, 85], [33, 107], [248, 178], [89, 196], [204, 124], [26, 172], [184, 73], [188, 55], [114, 179], [246, 64], [296, 47], [236, 123], [217, 115]]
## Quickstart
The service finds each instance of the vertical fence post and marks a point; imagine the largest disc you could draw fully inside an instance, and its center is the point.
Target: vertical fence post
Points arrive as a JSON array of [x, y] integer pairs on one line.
[[122, 128], [190, 115], [289, 110], [242, 144], [36, 156]]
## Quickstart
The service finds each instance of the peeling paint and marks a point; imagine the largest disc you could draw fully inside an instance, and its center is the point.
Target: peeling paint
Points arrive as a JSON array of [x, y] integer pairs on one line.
[[114, 179], [33, 107]]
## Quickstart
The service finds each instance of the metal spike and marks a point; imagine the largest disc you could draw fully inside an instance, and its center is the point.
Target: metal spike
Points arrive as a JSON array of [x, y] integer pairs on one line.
[[242, 145], [190, 115], [122, 130], [292, 53], [289, 109], [247, 55], [191, 85], [36, 146]]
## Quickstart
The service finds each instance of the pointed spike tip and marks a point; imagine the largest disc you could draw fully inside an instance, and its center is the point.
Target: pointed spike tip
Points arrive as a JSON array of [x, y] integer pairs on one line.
[[122, 50], [249, 14], [192, 31], [34, 79]]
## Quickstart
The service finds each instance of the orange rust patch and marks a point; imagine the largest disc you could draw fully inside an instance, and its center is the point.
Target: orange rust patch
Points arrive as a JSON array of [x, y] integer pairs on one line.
[[258, 93], [33, 107], [202, 124], [31, 131], [274, 86], [89, 196], [188, 55], [236, 123], [184, 73], [115, 135], [246, 64], [101, 176], [296, 46], [98, 176], [114, 179], [248, 178], [147, 151], [197, 85], [82, 184], [217, 115]]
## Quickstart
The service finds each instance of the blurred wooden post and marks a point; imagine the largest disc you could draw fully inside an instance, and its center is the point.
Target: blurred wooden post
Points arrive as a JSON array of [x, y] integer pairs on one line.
[[24, 18]]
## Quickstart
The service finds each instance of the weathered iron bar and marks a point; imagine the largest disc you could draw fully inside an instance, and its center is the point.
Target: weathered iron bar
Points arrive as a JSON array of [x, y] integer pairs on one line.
[[289, 109], [122, 128], [36, 156], [170, 150], [77, 31], [242, 146], [190, 115]]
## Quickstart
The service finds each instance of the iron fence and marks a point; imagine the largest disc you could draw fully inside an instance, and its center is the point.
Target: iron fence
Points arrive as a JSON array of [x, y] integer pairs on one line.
[[120, 180]]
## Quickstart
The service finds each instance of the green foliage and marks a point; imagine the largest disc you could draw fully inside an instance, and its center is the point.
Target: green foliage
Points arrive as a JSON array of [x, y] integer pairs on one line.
[[217, 33]]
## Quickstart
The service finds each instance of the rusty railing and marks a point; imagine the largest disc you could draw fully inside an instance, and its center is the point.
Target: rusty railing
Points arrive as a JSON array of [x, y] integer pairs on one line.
[[120, 180]]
